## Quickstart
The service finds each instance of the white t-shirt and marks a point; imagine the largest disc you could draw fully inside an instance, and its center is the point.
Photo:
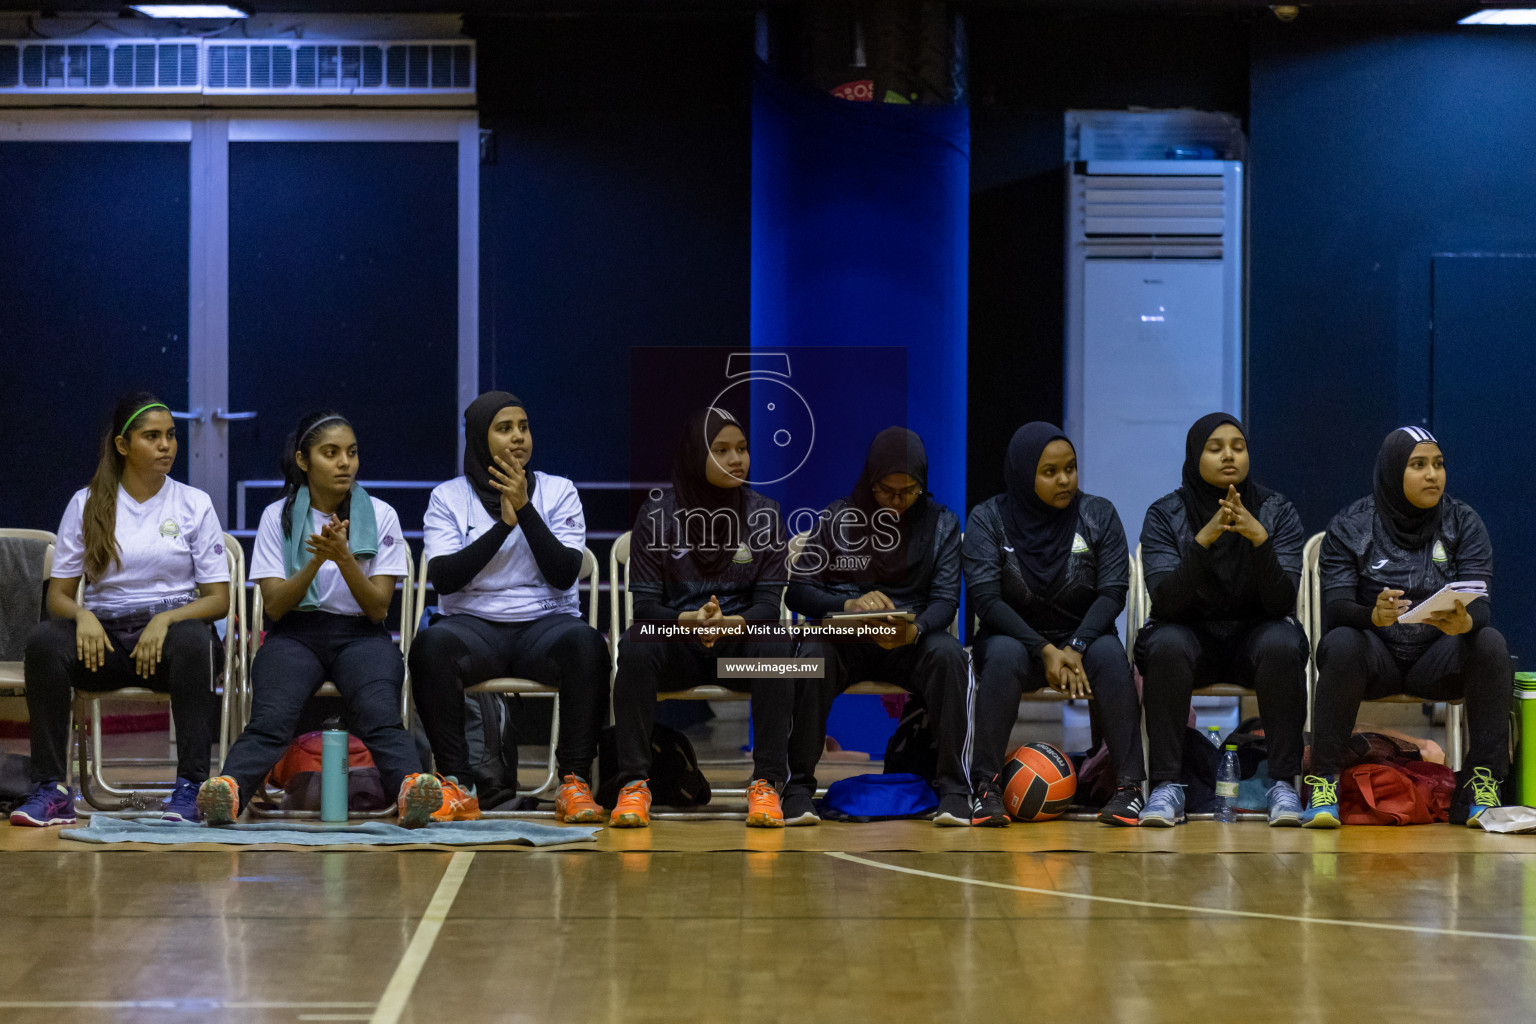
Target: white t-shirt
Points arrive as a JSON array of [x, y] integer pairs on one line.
[[335, 595], [166, 547], [510, 588]]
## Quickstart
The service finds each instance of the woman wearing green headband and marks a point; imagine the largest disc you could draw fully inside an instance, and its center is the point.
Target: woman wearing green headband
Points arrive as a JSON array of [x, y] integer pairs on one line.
[[151, 553]]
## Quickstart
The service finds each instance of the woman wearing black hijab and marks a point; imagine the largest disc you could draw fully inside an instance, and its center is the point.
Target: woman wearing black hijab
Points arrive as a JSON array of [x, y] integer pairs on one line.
[[1222, 560], [886, 546], [503, 546], [1047, 572], [706, 561], [1383, 555]]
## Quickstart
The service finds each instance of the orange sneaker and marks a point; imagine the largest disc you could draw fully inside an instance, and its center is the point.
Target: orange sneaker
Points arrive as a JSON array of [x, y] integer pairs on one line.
[[763, 810], [218, 801], [420, 797], [574, 804], [459, 804], [634, 807]]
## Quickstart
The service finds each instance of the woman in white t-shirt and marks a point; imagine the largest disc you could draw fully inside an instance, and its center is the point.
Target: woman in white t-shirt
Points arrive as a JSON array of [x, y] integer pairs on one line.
[[327, 557], [504, 549], [152, 555]]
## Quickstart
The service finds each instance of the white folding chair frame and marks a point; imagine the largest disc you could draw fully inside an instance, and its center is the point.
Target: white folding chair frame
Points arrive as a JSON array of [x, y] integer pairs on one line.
[[13, 680], [87, 704], [1312, 578], [530, 687]]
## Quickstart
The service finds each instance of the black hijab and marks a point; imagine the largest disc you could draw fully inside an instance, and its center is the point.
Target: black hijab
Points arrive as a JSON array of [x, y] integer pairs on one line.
[[1201, 499], [477, 446], [897, 450], [1232, 556], [1410, 526], [694, 491], [1040, 534]]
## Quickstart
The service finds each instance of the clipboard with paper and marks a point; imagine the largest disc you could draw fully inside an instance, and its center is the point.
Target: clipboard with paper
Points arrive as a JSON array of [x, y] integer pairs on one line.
[[1444, 600]]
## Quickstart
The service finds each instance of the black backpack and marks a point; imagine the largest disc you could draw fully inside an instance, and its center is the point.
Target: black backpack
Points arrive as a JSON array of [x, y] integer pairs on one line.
[[676, 780], [914, 747]]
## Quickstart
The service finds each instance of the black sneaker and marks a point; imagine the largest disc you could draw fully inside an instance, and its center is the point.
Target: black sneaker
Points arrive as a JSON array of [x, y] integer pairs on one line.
[[799, 808], [1124, 808], [954, 811], [987, 809], [1476, 791]]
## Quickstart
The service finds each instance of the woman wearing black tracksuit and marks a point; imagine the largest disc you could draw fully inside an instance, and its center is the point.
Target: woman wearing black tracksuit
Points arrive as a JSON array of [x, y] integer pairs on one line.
[[1047, 571], [887, 546]]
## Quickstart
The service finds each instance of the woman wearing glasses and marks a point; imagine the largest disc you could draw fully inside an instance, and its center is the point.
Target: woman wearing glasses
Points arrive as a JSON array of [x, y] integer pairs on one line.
[[886, 547]]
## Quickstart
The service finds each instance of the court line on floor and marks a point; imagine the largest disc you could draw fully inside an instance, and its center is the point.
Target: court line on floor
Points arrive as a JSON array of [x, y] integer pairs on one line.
[[174, 1004], [1220, 911], [398, 993]]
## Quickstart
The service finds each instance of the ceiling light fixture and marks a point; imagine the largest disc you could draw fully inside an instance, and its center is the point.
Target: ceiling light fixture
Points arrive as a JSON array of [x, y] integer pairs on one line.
[[1501, 16], [190, 11]]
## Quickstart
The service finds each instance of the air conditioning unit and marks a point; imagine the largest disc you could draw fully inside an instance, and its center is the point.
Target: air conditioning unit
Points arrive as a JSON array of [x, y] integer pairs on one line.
[[351, 68], [1155, 293], [99, 66], [276, 68]]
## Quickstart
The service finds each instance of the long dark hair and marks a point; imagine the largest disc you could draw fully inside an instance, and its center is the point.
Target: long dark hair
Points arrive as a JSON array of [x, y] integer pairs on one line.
[[100, 514], [301, 439]]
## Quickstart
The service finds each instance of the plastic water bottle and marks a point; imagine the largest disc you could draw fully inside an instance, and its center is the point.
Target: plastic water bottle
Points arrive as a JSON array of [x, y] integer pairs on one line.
[[1227, 777], [1213, 733], [333, 771]]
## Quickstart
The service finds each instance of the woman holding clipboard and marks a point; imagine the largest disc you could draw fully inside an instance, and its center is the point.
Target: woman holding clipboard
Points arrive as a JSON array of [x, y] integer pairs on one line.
[[1383, 555]]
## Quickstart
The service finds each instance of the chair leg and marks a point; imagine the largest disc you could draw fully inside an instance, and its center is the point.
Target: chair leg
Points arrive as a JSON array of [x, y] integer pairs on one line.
[[1454, 722], [551, 781]]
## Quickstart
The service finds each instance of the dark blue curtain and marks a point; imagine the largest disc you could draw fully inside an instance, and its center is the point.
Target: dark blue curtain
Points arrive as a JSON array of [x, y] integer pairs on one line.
[[859, 241]]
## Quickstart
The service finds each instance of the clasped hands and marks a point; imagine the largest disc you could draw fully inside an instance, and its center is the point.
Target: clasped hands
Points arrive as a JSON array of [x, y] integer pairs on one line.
[[1232, 517]]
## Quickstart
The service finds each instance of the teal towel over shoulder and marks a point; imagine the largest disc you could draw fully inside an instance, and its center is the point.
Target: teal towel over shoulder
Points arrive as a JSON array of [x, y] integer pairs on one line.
[[362, 538]]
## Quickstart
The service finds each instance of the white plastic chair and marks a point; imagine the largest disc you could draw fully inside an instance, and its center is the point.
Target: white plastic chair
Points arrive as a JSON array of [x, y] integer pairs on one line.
[[529, 687], [87, 704], [1312, 587], [13, 682]]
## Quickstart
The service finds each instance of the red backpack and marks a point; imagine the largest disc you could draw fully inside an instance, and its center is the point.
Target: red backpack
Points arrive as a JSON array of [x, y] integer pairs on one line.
[[303, 755], [1399, 793]]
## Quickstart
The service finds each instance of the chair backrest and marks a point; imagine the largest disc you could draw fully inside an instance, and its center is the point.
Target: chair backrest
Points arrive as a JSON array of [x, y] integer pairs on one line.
[[1310, 597], [47, 540], [588, 573], [618, 591], [235, 620]]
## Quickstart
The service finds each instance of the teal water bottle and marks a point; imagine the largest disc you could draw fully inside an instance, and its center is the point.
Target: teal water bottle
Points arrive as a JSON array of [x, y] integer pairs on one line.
[[333, 771]]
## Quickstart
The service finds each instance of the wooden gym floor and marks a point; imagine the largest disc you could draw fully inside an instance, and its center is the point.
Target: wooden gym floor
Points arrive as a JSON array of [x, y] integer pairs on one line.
[[708, 921]]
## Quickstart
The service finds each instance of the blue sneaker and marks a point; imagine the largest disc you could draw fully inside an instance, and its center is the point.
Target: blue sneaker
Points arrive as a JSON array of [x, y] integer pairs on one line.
[[1485, 794], [50, 803], [1323, 806], [1284, 806], [181, 805], [1165, 807]]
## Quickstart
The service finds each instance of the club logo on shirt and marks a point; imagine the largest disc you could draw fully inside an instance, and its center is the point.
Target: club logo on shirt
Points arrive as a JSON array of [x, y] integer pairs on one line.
[[1079, 546], [570, 520], [170, 529], [1438, 553], [743, 554], [389, 540], [218, 549]]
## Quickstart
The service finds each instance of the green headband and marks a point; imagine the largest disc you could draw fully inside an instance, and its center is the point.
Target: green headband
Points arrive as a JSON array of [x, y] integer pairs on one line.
[[129, 421]]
